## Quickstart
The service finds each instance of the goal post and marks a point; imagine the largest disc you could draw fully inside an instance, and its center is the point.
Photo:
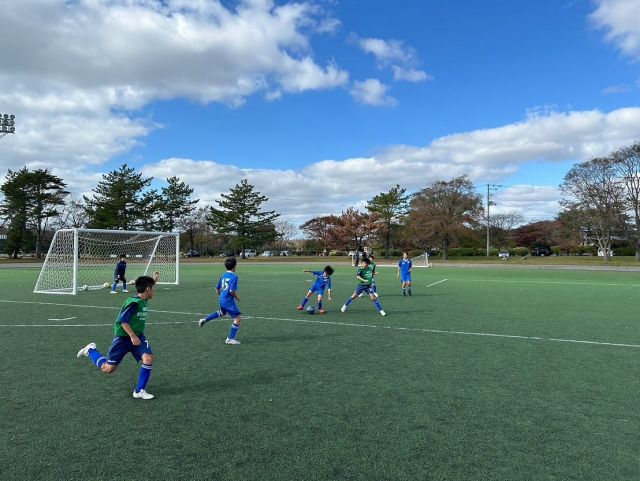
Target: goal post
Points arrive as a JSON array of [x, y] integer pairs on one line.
[[83, 259], [422, 260]]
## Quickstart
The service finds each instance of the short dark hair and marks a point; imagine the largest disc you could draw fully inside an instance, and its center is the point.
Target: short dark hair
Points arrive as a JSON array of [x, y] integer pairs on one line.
[[328, 270], [144, 282], [123, 255], [366, 260], [230, 263], [372, 256]]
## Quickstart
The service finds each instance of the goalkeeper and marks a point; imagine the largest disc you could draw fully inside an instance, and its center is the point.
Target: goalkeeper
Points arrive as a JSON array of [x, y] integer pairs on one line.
[[119, 274]]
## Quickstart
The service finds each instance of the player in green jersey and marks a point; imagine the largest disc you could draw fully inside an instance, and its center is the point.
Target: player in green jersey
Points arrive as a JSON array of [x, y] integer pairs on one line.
[[129, 337], [365, 279]]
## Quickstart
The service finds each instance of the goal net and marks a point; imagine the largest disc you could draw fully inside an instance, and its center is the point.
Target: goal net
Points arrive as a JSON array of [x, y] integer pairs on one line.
[[422, 260], [83, 259]]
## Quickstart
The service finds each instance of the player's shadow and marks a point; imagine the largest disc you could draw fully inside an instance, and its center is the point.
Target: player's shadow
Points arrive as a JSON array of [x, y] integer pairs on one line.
[[283, 338], [262, 377]]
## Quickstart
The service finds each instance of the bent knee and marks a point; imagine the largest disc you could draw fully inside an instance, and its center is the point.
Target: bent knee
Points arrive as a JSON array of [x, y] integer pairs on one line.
[[147, 358]]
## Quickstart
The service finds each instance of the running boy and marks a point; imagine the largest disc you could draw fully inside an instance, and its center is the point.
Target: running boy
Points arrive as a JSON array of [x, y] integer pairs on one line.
[[365, 277], [404, 273], [374, 287], [129, 331], [119, 274], [227, 289], [323, 280]]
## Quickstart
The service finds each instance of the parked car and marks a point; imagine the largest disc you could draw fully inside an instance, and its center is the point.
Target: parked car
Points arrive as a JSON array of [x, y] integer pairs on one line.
[[601, 253], [227, 254], [266, 254], [192, 253], [285, 253], [503, 254], [250, 253], [541, 251]]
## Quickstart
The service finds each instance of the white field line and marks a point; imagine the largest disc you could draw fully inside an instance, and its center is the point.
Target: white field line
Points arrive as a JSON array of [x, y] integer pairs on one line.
[[61, 319], [316, 321], [439, 282], [512, 281]]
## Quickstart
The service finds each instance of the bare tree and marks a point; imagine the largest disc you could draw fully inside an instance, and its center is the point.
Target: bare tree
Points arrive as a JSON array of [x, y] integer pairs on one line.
[[500, 226], [595, 197], [285, 233], [627, 164], [72, 215]]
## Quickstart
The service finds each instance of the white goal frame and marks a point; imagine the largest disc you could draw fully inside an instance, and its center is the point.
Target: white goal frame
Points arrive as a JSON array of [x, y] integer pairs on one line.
[[85, 259]]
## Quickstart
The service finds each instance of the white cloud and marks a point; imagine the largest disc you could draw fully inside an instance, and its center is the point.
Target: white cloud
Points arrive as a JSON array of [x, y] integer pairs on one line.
[[372, 92], [620, 20], [616, 89], [487, 155], [77, 71], [395, 54]]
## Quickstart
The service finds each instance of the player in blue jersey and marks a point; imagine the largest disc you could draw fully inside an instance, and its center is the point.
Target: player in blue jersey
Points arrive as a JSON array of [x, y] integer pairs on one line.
[[404, 273], [365, 278], [227, 289], [129, 337], [323, 280], [119, 274]]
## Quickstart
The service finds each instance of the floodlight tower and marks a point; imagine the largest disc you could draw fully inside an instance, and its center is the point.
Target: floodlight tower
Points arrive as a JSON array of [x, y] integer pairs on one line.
[[7, 124]]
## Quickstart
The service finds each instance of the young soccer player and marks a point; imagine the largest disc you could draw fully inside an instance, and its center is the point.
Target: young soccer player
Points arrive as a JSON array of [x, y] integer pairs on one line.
[[365, 277], [227, 289], [404, 273], [119, 274], [374, 287], [129, 330], [323, 280]]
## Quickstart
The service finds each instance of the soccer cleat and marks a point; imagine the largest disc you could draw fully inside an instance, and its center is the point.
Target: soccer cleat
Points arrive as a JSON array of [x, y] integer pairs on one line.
[[142, 394], [299, 308], [113, 292], [125, 290], [376, 294], [382, 313], [361, 294], [233, 342], [343, 308], [202, 322], [320, 311], [84, 352]]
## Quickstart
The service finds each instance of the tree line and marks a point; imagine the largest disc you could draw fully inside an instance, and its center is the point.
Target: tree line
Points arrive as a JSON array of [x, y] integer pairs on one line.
[[600, 206]]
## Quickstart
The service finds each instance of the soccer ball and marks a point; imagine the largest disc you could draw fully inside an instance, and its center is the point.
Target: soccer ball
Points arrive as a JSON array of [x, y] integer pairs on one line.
[[106, 284], [85, 287], [132, 282], [311, 310]]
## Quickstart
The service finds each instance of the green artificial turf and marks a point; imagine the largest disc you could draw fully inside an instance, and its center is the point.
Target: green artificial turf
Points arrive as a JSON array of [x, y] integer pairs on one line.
[[493, 374]]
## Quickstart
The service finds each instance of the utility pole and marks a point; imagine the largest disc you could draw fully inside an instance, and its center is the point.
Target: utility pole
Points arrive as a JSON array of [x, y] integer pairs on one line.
[[7, 124], [490, 188]]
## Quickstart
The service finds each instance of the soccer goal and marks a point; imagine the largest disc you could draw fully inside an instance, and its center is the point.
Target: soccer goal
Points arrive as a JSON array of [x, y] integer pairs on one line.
[[422, 260], [83, 259]]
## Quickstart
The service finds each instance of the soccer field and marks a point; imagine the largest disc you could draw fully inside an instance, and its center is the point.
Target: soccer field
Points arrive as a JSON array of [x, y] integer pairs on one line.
[[484, 373]]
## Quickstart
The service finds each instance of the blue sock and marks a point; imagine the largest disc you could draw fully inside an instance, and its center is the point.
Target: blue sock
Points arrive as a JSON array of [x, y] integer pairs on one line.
[[233, 331], [348, 301], [319, 305], [145, 374], [304, 301], [214, 315], [115, 284], [378, 306], [97, 358]]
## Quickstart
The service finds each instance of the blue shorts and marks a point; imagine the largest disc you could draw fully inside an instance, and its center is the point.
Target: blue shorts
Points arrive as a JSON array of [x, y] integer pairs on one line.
[[122, 345], [232, 310], [366, 288], [318, 289], [405, 277]]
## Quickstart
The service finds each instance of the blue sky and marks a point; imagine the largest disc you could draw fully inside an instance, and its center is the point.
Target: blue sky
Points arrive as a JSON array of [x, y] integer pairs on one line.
[[322, 104]]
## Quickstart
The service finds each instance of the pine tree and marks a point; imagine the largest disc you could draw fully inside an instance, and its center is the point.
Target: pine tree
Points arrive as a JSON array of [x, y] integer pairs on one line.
[[239, 215]]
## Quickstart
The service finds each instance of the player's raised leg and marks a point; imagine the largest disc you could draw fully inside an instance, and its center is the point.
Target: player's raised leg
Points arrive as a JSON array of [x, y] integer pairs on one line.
[[305, 299], [211, 317]]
